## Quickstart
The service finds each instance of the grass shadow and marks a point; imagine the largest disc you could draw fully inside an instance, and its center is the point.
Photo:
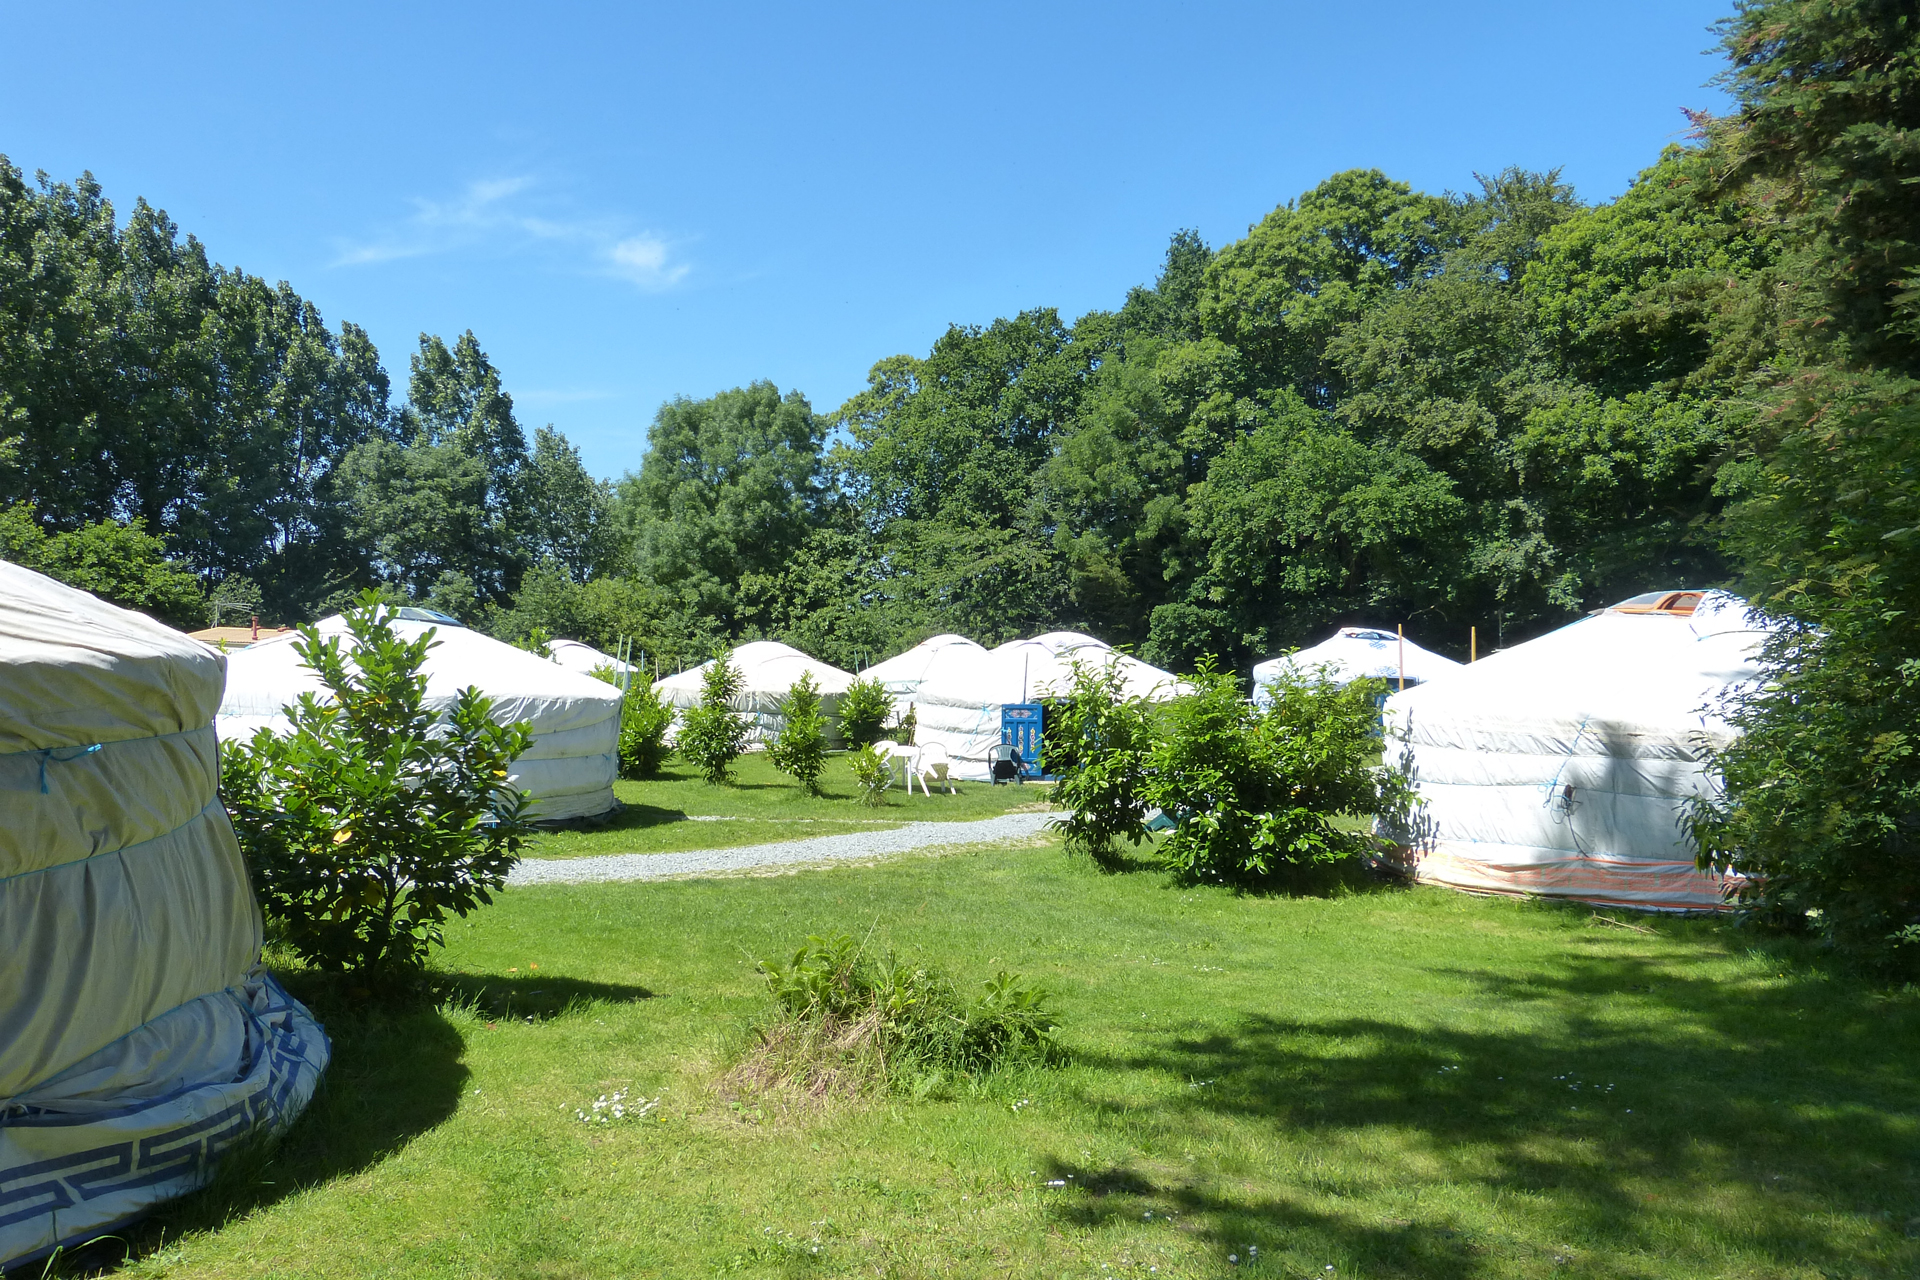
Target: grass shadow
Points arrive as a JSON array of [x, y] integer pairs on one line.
[[397, 1072], [632, 817], [1095, 1197], [531, 997], [1640, 1103]]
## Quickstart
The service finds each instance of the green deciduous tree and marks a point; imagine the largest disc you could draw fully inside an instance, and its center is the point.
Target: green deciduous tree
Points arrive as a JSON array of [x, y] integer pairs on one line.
[[569, 515], [731, 487], [121, 563], [800, 749], [373, 820], [1256, 795], [140, 381], [1314, 264], [1670, 286], [453, 496], [713, 735], [1097, 744], [1306, 527], [865, 709], [604, 610]]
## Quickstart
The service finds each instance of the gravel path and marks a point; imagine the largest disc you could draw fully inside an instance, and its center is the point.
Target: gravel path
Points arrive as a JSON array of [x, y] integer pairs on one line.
[[853, 847]]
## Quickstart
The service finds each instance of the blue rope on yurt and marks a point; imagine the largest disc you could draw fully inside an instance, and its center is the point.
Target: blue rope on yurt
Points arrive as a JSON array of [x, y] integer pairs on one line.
[[52, 753]]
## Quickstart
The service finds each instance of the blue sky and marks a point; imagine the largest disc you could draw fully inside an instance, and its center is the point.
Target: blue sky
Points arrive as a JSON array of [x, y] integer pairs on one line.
[[628, 203]]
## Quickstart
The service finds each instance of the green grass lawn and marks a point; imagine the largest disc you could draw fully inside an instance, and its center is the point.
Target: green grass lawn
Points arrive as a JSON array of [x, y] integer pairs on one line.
[[663, 814], [1401, 1083]]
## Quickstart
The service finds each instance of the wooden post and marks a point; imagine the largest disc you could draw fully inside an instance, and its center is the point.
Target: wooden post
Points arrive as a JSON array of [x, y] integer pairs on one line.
[[1402, 629], [1473, 644]]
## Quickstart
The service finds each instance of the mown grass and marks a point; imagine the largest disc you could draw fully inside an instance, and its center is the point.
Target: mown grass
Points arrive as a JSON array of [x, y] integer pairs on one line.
[[1391, 1083], [665, 814]]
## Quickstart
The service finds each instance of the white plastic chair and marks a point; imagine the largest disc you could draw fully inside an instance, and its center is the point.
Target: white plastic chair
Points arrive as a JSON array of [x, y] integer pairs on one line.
[[898, 755], [931, 761]]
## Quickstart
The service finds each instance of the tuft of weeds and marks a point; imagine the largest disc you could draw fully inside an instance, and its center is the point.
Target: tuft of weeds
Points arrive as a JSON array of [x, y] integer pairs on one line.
[[850, 1021]]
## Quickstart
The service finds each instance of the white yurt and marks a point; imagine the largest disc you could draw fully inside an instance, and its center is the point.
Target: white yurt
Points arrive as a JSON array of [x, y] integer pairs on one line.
[[903, 674], [1356, 653], [583, 658], [959, 705], [139, 1038], [768, 669], [575, 719], [1563, 766]]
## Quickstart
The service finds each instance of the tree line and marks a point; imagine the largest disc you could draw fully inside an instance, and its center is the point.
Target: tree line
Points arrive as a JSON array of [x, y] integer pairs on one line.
[[1494, 408]]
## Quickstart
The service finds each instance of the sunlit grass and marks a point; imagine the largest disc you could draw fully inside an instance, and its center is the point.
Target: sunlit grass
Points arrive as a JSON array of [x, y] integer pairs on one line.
[[666, 814], [1393, 1083]]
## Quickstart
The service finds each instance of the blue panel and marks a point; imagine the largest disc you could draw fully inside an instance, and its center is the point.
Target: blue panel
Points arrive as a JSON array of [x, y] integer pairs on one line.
[[1020, 725]]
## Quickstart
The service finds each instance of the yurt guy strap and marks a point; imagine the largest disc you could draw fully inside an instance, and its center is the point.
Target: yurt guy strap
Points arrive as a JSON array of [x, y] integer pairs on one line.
[[1553, 786], [61, 755], [65, 755]]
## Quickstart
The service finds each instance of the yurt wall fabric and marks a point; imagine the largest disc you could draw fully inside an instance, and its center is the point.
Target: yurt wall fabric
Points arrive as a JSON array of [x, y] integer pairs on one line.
[[768, 669], [138, 1038], [1354, 653], [959, 705], [574, 718], [1563, 767]]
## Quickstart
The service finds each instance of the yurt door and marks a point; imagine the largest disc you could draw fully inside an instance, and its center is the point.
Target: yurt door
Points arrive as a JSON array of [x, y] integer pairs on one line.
[[1020, 724]]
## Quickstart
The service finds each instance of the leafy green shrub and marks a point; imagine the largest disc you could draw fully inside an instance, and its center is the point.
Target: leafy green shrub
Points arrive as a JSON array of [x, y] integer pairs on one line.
[[644, 721], [801, 748], [712, 736], [864, 711], [873, 774], [847, 1018], [1097, 744], [370, 823], [1255, 794], [120, 563]]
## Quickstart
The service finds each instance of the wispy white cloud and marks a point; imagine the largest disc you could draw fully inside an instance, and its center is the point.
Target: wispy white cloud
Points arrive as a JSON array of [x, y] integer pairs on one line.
[[501, 213], [646, 261]]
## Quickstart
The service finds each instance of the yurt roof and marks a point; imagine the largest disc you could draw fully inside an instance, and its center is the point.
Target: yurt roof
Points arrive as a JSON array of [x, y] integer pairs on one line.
[[577, 655], [77, 670], [906, 671], [267, 677], [1354, 653], [1064, 642], [1027, 670], [765, 666], [1648, 681]]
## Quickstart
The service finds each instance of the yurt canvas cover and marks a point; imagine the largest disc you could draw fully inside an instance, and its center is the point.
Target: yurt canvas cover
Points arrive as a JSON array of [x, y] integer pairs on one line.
[[1355, 653], [575, 719], [768, 669], [138, 1036], [904, 673], [583, 659], [1563, 766], [959, 706]]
